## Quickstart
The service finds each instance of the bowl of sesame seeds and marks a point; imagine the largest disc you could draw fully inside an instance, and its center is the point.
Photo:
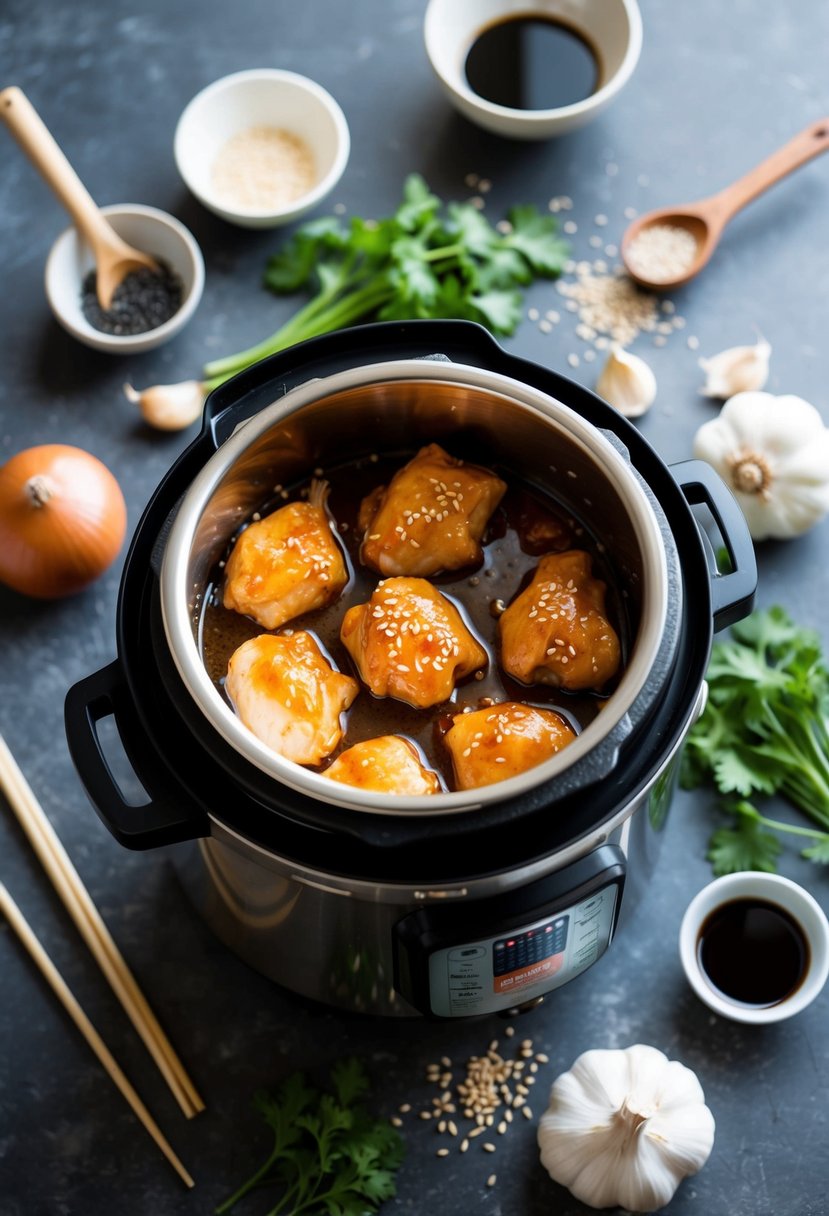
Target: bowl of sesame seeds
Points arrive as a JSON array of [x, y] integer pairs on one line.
[[262, 147], [148, 308]]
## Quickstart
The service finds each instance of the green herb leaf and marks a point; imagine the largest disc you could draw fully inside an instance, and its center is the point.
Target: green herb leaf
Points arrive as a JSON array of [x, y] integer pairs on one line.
[[349, 1080], [818, 852], [419, 204], [293, 266], [746, 846], [534, 236], [426, 260], [329, 1155], [501, 310], [765, 727]]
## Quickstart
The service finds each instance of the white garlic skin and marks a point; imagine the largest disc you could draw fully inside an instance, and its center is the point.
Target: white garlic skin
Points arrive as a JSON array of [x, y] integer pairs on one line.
[[624, 1127], [740, 369], [169, 407], [627, 383], [773, 454]]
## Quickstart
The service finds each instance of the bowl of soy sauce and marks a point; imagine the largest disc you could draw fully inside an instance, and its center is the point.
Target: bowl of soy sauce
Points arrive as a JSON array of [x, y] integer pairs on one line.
[[755, 947], [535, 70]]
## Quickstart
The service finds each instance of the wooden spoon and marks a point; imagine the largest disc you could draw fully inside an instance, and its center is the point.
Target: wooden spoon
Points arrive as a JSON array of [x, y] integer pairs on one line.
[[114, 258], [706, 219]]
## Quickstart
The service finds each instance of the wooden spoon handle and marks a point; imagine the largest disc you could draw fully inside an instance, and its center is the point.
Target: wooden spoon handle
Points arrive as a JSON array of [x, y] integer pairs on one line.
[[39, 145], [813, 140]]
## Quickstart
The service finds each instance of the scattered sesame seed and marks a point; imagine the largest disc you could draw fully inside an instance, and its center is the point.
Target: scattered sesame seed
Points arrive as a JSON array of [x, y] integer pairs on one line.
[[492, 1179]]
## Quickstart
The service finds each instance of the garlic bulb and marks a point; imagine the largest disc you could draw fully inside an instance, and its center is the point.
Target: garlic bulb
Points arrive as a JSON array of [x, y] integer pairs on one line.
[[624, 1128], [169, 407], [740, 369], [627, 383], [773, 452]]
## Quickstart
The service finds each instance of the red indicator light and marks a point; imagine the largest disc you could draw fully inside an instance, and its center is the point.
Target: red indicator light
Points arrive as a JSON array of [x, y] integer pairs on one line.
[[511, 943], [548, 929]]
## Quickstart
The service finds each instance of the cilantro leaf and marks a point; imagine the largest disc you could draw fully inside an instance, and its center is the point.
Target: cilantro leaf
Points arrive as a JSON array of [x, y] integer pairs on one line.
[[349, 1080], [425, 260], [330, 1155], [533, 235], [745, 846], [419, 204], [501, 310], [294, 265], [738, 771], [818, 852], [765, 728]]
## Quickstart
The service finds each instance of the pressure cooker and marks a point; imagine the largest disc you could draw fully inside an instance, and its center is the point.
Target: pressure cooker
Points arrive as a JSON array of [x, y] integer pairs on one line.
[[465, 902]]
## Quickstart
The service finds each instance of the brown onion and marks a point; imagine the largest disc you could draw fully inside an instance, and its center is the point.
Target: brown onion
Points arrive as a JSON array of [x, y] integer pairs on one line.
[[62, 520]]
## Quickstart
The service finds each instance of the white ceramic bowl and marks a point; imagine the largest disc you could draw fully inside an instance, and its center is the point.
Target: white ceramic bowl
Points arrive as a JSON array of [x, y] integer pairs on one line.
[[801, 906], [154, 232], [261, 97], [612, 27]]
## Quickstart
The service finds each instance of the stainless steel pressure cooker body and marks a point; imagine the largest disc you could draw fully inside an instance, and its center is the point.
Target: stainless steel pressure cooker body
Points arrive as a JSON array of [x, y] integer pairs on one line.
[[462, 903]]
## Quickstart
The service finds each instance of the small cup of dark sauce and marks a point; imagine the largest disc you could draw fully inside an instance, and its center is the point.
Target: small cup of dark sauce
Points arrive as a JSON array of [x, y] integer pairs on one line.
[[755, 947], [536, 70]]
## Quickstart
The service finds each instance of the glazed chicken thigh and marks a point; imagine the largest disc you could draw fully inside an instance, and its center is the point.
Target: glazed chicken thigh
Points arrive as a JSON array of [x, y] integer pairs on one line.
[[489, 745], [410, 642], [556, 631], [389, 765], [287, 693], [430, 517], [286, 564]]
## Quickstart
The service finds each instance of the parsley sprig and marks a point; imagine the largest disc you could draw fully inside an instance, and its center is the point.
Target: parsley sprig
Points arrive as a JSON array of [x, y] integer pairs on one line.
[[329, 1155], [765, 730], [429, 259]]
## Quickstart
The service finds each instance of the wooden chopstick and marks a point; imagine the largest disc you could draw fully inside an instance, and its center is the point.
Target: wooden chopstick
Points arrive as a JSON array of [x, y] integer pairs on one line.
[[66, 997], [78, 902]]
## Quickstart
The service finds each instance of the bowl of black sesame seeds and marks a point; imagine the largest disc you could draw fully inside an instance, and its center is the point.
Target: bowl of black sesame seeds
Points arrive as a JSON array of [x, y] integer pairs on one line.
[[148, 307]]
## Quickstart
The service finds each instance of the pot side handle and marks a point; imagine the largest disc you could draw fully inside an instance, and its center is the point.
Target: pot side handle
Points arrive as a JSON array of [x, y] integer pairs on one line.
[[732, 592], [146, 826]]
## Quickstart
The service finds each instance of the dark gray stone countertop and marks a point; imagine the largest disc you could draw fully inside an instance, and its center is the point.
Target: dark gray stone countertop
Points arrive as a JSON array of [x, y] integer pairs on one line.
[[718, 87]]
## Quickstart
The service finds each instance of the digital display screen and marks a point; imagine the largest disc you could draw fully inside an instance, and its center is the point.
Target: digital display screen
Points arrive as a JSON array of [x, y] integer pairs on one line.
[[530, 955]]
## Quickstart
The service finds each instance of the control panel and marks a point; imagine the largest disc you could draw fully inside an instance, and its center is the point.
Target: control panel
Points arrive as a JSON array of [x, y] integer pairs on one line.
[[530, 952]]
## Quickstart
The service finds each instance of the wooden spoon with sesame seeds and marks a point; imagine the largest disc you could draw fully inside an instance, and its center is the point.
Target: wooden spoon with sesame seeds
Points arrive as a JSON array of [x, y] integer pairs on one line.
[[664, 249], [114, 258]]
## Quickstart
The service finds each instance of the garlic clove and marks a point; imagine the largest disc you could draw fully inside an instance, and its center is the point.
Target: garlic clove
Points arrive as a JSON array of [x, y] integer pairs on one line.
[[627, 383], [739, 369], [169, 407]]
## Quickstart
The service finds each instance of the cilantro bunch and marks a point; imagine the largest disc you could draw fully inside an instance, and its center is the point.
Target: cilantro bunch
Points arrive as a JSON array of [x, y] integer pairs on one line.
[[426, 260], [329, 1156], [765, 730]]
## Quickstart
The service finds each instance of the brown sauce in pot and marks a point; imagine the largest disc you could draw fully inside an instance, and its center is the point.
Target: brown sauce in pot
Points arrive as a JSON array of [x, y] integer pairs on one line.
[[527, 524]]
